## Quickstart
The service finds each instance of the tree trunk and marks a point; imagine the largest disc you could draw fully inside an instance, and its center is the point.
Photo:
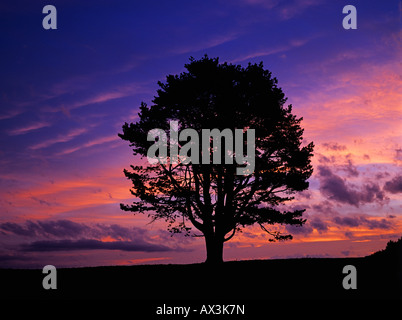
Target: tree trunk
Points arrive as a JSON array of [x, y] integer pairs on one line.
[[214, 247]]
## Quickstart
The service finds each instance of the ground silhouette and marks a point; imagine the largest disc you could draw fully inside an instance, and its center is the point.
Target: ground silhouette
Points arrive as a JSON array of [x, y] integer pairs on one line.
[[378, 277]]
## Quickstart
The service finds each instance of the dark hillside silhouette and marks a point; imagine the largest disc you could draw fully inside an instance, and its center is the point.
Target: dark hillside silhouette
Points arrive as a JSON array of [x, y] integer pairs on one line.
[[392, 251], [214, 199], [378, 277]]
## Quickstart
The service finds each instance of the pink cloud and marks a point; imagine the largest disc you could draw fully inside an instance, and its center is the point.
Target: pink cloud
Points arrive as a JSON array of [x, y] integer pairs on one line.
[[62, 138], [29, 128], [89, 144], [119, 92], [10, 114], [358, 110]]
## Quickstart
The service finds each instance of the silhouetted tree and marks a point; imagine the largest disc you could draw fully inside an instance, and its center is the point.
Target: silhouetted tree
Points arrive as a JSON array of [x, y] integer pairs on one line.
[[216, 200]]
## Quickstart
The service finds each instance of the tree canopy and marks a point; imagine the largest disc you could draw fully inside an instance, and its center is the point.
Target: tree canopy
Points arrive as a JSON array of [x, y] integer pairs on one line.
[[211, 197]]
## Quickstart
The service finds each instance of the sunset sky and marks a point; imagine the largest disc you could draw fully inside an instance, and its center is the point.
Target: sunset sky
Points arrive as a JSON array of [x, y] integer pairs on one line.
[[65, 94]]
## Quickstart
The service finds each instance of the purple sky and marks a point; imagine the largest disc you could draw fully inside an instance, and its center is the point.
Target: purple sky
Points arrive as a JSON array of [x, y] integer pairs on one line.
[[65, 93]]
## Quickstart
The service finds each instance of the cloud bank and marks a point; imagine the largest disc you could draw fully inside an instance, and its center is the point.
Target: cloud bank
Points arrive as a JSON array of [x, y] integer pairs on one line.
[[66, 235]]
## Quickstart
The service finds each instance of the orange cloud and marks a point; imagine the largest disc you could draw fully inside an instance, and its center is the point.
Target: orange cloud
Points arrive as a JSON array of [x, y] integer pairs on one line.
[[143, 260], [44, 199], [358, 109]]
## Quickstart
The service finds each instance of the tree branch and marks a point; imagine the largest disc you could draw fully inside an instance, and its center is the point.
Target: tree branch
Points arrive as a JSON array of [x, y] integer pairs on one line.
[[231, 236]]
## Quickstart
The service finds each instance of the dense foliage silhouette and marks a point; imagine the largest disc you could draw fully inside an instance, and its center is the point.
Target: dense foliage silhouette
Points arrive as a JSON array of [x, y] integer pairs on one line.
[[212, 198]]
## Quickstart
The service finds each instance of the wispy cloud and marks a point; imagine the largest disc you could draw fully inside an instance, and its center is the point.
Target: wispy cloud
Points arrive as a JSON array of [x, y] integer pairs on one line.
[[61, 138], [10, 114], [296, 7], [28, 128], [274, 50], [206, 44], [285, 9], [89, 144], [122, 91], [102, 97], [127, 90]]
